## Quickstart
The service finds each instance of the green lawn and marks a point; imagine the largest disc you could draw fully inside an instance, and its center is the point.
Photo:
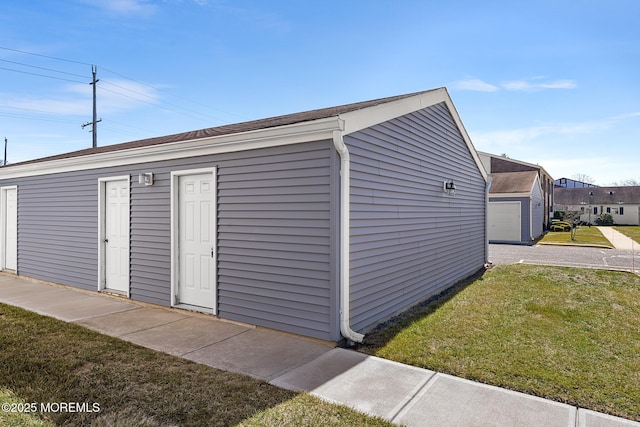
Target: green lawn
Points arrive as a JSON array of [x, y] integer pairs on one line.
[[630, 231], [585, 236], [571, 335], [44, 360]]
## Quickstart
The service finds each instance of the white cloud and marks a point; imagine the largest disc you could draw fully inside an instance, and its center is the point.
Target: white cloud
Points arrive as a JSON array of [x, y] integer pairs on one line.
[[76, 100], [125, 7], [474, 85], [497, 140], [524, 85]]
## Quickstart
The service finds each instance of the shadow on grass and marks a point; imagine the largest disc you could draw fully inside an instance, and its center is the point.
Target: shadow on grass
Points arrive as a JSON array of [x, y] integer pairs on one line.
[[386, 331]]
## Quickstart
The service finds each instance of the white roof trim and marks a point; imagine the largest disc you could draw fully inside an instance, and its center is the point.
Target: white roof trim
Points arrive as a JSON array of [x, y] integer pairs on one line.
[[509, 159], [505, 195], [270, 137], [364, 118], [307, 131]]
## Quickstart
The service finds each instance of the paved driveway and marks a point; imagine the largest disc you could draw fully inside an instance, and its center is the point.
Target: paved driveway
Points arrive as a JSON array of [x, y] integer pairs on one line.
[[570, 256]]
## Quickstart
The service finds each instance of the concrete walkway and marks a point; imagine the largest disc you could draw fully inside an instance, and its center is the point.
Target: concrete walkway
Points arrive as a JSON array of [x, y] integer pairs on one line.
[[403, 394], [619, 240]]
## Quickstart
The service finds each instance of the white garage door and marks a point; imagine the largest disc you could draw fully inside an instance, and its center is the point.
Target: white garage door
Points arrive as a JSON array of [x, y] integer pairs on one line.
[[504, 221]]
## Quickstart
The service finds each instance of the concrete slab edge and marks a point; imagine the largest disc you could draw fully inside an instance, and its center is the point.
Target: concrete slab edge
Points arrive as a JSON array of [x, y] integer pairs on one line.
[[408, 402], [582, 419]]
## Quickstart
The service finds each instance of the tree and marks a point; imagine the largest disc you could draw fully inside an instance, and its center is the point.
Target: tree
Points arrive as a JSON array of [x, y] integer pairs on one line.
[[583, 177], [628, 182]]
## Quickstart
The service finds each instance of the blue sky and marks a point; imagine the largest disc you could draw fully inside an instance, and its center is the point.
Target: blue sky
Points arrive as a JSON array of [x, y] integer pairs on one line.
[[547, 82]]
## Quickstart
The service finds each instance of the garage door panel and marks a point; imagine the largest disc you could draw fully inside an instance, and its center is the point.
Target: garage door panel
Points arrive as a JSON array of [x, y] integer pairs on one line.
[[504, 221]]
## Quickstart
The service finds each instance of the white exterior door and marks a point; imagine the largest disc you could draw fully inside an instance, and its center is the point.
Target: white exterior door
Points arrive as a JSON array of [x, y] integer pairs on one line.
[[196, 240], [10, 228], [504, 221], [116, 236]]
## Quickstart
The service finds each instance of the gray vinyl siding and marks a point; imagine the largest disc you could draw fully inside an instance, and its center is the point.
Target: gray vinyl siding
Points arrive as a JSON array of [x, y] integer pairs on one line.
[[276, 233], [525, 215], [58, 228], [410, 240]]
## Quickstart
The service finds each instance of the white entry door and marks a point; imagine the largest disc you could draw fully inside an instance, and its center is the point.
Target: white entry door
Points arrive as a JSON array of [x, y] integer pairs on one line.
[[10, 228], [196, 240], [116, 236]]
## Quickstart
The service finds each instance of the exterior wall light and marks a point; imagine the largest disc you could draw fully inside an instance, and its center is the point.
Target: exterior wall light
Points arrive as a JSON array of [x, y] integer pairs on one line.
[[145, 178], [449, 187]]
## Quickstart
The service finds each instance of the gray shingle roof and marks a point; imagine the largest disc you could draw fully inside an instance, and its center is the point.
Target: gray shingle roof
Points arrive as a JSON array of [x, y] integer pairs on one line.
[[599, 196], [512, 182], [252, 125]]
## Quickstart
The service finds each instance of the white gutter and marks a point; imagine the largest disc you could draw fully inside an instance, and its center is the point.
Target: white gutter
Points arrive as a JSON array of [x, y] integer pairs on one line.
[[345, 284]]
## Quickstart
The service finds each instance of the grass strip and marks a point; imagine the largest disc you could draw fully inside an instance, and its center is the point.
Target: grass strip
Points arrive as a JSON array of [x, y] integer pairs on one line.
[[585, 236], [47, 361], [570, 335]]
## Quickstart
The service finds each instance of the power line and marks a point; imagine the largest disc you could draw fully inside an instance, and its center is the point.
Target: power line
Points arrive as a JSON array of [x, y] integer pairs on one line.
[[174, 95], [42, 56], [41, 75], [20, 116], [202, 117], [42, 68], [154, 104], [138, 96], [125, 77], [36, 111]]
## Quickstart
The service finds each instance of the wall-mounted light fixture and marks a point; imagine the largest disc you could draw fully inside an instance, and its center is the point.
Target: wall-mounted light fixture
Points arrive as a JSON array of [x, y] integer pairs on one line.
[[145, 178], [449, 187]]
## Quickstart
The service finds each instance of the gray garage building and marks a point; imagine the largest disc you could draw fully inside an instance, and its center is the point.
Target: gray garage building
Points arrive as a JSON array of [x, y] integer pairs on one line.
[[319, 223]]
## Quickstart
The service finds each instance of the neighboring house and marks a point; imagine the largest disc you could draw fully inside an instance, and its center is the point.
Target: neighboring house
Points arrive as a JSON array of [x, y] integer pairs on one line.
[[572, 183], [495, 164], [515, 214], [622, 203], [320, 223]]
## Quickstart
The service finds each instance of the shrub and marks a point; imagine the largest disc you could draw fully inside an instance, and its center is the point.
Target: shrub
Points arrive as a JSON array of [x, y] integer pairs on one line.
[[604, 219]]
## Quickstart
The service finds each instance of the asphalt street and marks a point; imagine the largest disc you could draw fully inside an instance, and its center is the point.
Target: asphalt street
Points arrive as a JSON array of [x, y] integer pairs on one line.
[[569, 256]]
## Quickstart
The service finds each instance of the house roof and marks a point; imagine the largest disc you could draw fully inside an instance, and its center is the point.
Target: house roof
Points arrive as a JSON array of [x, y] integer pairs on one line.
[[248, 126], [313, 125], [596, 195], [512, 182], [501, 164]]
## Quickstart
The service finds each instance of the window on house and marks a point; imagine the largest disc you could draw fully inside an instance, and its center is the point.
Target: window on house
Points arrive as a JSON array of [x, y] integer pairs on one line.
[[595, 210], [608, 210], [621, 211]]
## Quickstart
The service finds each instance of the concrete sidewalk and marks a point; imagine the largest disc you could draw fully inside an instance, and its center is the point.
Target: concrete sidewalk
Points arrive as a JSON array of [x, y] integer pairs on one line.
[[619, 240], [400, 393]]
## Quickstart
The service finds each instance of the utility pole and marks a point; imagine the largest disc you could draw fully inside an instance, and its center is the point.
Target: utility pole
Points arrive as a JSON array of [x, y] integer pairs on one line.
[[95, 121], [4, 161]]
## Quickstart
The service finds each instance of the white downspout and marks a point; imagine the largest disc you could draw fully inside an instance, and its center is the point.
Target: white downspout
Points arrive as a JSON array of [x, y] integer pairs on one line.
[[486, 220], [531, 217], [345, 284]]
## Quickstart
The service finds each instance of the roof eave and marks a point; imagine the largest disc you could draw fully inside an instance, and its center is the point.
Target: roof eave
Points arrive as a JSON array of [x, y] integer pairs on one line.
[[361, 119], [270, 137]]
